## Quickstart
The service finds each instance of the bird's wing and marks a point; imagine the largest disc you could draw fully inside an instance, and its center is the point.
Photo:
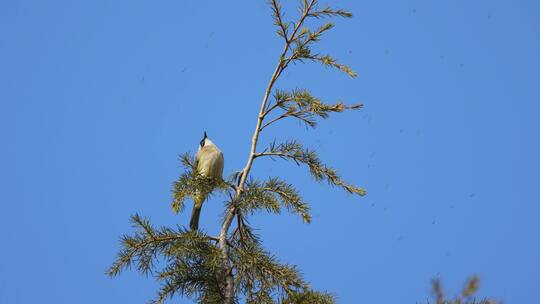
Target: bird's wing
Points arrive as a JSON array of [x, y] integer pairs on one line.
[[220, 162], [197, 158]]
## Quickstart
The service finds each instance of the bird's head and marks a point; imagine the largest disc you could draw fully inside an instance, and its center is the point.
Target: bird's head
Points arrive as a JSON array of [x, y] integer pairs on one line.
[[205, 141]]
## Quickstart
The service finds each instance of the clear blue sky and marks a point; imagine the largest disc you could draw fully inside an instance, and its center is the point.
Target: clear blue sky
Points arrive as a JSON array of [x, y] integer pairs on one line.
[[97, 99]]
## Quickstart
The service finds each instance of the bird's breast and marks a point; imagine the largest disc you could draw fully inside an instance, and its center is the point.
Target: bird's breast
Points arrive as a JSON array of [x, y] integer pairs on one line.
[[210, 164]]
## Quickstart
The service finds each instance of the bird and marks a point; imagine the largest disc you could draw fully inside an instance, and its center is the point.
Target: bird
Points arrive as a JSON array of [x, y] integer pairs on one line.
[[209, 164]]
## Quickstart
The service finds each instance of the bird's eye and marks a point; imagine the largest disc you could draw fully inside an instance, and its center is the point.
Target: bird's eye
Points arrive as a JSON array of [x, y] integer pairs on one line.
[[202, 143]]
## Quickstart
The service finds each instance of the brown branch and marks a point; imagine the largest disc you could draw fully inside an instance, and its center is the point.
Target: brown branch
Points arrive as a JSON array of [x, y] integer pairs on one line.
[[229, 281], [277, 13], [270, 109], [279, 192], [280, 154], [274, 120]]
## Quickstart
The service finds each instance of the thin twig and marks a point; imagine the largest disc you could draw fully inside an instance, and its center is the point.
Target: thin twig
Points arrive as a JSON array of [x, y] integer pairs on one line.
[[280, 154], [274, 120], [271, 108]]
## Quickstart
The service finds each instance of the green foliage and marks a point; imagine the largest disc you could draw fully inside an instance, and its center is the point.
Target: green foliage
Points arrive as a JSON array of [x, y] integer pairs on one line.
[[190, 262], [271, 196], [303, 38], [283, 28], [294, 151], [302, 105], [330, 12], [310, 297], [261, 277]]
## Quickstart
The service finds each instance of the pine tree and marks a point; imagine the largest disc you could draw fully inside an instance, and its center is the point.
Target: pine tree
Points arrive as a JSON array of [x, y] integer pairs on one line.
[[234, 267]]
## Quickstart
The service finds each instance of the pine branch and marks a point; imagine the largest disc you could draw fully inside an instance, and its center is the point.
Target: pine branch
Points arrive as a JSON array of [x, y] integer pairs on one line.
[[305, 38], [260, 271], [271, 196], [244, 234], [278, 20], [310, 297], [294, 151], [303, 52], [198, 279], [328, 61], [302, 105], [192, 263], [143, 247], [315, 36], [330, 12]]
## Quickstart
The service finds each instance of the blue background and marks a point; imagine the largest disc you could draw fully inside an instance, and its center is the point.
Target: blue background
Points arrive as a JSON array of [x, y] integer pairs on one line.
[[97, 99]]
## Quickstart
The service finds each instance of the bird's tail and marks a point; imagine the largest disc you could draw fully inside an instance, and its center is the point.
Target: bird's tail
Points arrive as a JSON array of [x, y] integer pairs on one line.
[[195, 214], [198, 201]]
